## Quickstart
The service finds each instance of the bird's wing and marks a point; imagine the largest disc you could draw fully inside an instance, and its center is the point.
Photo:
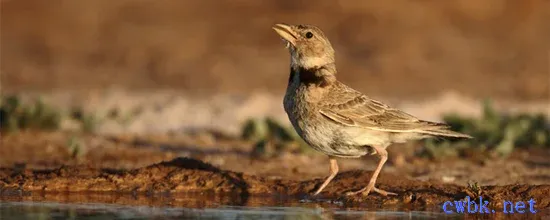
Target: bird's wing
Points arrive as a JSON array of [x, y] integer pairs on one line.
[[351, 108]]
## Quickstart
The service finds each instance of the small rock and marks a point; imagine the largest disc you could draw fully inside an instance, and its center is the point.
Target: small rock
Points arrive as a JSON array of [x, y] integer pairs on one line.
[[448, 179]]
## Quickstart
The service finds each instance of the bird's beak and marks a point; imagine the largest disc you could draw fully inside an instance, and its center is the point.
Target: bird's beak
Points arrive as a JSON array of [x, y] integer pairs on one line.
[[286, 32]]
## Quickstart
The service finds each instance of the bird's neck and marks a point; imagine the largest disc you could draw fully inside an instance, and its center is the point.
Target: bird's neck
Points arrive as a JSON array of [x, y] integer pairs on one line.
[[321, 76], [300, 60]]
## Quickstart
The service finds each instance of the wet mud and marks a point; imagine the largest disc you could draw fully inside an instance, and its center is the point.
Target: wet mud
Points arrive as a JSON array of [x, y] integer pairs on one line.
[[185, 176]]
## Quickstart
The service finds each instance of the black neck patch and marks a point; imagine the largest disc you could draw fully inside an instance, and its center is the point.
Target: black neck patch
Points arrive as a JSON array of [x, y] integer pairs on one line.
[[310, 77]]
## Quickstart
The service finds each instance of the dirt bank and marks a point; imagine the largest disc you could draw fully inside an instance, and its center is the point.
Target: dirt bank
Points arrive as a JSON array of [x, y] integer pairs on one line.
[[40, 150], [184, 175]]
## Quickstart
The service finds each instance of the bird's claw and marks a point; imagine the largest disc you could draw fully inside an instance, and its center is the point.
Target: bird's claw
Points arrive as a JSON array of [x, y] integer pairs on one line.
[[384, 193], [367, 190]]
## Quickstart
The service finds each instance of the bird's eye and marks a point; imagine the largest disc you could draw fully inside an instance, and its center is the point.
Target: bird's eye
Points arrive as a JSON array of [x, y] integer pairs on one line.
[[309, 35]]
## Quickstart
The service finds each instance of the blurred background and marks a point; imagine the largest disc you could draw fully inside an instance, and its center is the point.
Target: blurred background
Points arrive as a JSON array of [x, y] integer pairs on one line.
[[408, 49], [205, 72], [194, 59]]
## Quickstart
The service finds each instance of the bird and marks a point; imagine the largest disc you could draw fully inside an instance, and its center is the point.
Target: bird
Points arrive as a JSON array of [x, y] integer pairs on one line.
[[336, 119]]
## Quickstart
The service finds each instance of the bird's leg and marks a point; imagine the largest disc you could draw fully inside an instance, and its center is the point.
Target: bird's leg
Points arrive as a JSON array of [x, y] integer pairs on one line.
[[333, 171], [383, 154]]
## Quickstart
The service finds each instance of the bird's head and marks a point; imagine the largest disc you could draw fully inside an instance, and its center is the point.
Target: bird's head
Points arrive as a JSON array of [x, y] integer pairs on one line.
[[308, 46]]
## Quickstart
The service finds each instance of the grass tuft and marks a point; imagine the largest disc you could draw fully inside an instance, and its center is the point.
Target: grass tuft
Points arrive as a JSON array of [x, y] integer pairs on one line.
[[494, 133], [270, 137], [16, 115]]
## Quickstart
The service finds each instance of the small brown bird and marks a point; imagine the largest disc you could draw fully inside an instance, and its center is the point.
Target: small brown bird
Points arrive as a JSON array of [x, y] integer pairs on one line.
[[336, 119]]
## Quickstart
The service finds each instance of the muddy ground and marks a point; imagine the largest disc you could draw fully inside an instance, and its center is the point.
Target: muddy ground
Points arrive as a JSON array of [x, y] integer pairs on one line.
[[221, 170]]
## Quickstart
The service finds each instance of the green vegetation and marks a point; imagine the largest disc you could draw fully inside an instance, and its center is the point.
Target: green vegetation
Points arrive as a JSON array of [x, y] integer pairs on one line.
[[271, 137], [15, 115], [494, 134], [474, 190], [75, 147], [88, 121]]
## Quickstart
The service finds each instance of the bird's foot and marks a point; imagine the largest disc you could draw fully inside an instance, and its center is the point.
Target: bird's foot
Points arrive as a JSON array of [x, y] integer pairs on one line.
[[365, 191], [383, 192], [314, 195]]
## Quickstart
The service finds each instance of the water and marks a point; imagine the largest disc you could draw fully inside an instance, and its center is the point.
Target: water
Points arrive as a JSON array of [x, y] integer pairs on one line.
[[98, 211], [99, 206]]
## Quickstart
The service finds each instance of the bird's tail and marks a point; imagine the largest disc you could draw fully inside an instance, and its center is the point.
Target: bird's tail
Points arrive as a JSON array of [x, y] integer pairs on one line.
[[442, 130]]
